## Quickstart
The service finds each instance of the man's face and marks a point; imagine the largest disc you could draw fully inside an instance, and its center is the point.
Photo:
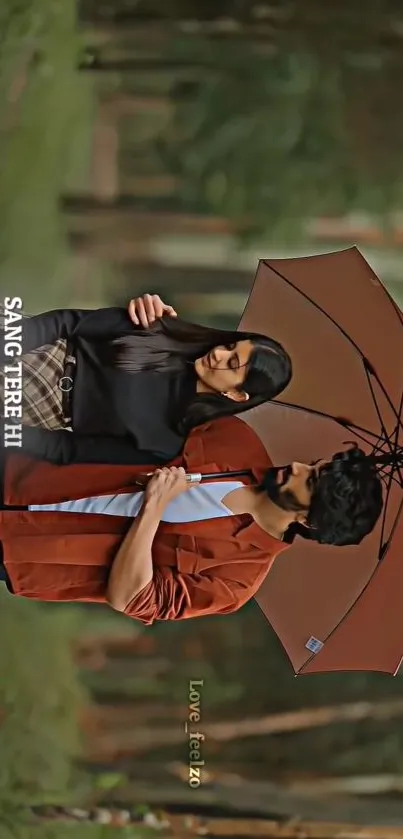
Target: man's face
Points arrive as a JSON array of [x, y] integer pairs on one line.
[[291, 487]]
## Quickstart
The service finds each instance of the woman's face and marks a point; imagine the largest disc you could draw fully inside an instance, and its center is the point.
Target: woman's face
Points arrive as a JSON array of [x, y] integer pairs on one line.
[[224, 369]]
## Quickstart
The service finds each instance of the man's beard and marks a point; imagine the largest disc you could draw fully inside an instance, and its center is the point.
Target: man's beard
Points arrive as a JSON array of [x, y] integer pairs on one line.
[[285, 499]]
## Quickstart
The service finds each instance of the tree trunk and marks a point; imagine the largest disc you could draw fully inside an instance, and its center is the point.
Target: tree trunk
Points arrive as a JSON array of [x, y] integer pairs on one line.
[[98, 719], [120, 250], [150, 186], [111, 645], [262, 799], [338, 26], [105, 158], [161, 33], [188, 825], [91, 11], [346, 229], [144, 741], [120, 104], [174, 279], [95, 63], [127, 216]]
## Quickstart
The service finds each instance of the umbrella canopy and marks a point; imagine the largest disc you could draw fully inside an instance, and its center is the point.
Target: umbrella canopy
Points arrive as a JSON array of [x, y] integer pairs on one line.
[[334, 608]]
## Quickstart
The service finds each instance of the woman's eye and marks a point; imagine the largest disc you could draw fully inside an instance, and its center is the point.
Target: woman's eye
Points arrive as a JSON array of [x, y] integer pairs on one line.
[[229, 346]]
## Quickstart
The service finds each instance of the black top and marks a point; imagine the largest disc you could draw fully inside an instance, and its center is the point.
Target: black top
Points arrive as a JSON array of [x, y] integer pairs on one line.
[[117, 417]]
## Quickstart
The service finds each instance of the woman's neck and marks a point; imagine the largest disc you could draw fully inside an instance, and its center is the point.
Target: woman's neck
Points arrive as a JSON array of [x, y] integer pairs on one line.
[[201, 387]]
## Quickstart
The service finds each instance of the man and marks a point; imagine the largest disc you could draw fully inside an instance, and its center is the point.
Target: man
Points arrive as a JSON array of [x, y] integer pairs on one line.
[[183, 555]]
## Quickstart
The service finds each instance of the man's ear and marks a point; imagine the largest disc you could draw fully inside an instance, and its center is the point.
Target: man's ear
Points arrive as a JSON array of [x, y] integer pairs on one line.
[[236, 395], [297, 529]]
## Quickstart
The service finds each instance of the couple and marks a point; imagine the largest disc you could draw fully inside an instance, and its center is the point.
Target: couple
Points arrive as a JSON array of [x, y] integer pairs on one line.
[[86, 532]]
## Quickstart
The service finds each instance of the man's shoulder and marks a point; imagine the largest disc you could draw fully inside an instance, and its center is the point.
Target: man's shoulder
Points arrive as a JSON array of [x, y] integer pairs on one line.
[[234, 429], [228, 425], [227, 437]]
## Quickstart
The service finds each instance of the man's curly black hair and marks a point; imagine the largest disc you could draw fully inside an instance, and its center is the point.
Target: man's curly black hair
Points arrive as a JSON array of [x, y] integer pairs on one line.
[[347, 499]]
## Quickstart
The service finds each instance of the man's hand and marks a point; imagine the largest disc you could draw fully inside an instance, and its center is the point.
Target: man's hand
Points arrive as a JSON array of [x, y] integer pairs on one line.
[[165, 485], [148, 308]]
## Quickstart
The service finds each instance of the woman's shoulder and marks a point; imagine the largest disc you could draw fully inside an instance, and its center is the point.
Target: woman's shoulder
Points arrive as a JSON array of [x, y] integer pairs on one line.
[[108, 322]]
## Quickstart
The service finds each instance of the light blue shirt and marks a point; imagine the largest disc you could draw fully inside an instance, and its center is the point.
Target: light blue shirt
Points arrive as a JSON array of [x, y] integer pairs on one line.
[[200, 502]]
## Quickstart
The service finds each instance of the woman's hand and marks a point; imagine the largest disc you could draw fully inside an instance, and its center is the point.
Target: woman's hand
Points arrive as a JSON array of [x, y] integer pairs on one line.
[[148, 308], [165, 485]]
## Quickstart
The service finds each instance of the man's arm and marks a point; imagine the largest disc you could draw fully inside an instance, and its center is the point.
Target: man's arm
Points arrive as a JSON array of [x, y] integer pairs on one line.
[[147, 594], [164, 594], [171, 595], [132, 568]]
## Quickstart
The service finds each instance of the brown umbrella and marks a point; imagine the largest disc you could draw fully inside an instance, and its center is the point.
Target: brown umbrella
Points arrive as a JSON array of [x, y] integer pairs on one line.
[[335, 608]]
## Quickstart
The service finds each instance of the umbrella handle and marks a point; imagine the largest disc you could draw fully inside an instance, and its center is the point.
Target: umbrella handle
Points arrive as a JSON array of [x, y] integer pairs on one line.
[[198, 477], [191, 478]]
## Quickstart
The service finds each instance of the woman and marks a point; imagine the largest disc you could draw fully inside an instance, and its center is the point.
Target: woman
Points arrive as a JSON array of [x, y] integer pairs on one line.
[[130, 385]]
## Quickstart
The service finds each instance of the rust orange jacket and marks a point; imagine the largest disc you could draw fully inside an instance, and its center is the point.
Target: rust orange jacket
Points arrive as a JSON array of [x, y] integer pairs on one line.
[[200, 568]]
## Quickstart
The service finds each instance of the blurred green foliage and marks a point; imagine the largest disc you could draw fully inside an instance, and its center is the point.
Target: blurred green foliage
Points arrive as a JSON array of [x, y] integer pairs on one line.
[[39, 699], [280, 135], [46, 112], [40, 696]]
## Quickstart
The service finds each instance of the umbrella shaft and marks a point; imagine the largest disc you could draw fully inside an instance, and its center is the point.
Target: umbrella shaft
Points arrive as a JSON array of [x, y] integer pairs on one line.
[[197, 477], [242, 473]]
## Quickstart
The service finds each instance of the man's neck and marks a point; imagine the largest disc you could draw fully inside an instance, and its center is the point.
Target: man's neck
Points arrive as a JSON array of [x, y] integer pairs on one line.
[[272, 519]]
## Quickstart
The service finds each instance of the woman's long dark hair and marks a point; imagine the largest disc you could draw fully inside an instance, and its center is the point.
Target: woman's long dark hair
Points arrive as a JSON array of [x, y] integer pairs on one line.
[[170, 343]]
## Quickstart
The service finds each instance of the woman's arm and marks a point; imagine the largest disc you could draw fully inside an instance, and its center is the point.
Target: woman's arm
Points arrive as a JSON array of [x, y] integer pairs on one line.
[[46, 328], [66, 447], [106, 323]]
